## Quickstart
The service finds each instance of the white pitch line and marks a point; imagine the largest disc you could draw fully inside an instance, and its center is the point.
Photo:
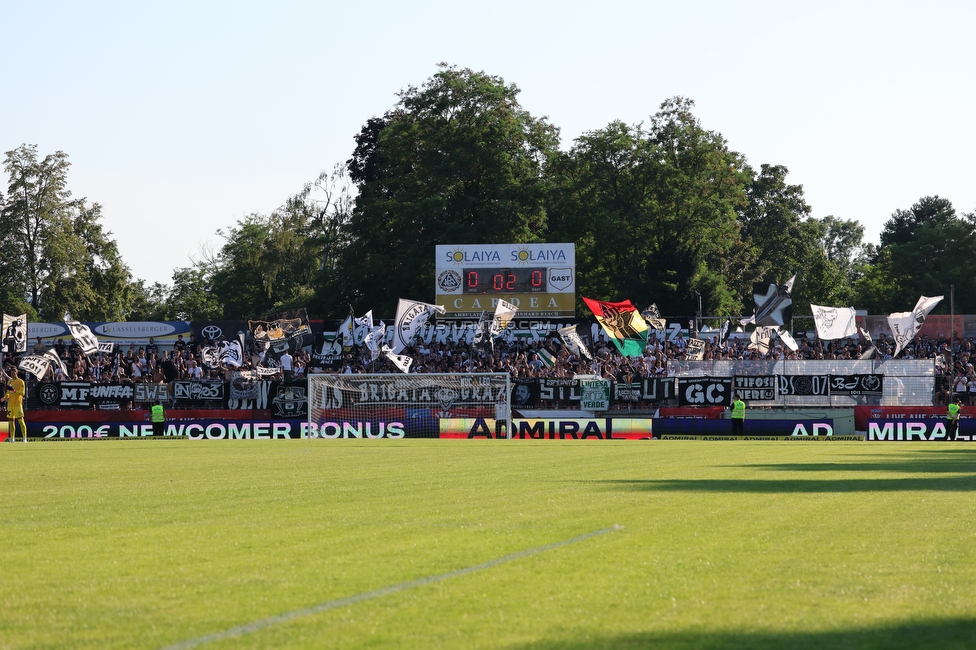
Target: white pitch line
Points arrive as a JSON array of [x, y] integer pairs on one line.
[[385, 591]]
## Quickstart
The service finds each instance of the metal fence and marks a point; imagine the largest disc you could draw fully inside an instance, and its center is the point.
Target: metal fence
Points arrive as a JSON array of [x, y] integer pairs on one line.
[[907, 382]]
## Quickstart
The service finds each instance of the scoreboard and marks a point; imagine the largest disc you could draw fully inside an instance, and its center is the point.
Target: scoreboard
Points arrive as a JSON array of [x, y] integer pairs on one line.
[[540, 279]]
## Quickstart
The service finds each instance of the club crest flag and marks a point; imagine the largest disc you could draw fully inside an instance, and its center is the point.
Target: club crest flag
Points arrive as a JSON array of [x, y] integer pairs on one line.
[[411, 317], [401, 361], [652, 315], [622, 323], [375, 339], [482, 332], [347, 330], [83, 335], [572, 340], [905, 324], [761, 338], [362, 326], [788, 339], [230, 353], [504, 313], [833, 322], [15, 333], [774, 303]]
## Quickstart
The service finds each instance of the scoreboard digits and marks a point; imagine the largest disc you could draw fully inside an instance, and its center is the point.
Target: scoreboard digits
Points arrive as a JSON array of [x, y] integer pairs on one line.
[[539, 279], [490, 281]]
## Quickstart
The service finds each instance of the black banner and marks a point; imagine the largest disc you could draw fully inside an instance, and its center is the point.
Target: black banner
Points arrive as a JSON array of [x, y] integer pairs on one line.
[[288, 400], [525, 393], [646, 389], [198, 391], [856, 384], [756, 389], [804, 385], [83, 394], [560, 393], [705, 391]]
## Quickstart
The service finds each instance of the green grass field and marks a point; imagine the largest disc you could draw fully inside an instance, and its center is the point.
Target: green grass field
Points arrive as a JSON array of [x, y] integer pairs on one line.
[[721, 545]]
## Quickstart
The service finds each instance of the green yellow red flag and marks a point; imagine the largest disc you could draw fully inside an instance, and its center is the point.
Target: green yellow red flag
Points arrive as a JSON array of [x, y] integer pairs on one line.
[[623, 324]]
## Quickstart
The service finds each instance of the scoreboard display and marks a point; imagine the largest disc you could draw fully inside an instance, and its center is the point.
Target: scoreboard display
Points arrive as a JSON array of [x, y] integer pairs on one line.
[[540, 279]]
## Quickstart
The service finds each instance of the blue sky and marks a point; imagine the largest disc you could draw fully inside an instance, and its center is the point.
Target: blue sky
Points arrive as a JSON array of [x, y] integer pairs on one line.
[[181, 118]]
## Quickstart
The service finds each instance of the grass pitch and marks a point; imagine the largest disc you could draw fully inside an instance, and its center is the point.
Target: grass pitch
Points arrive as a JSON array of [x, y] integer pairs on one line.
[[723, 545]]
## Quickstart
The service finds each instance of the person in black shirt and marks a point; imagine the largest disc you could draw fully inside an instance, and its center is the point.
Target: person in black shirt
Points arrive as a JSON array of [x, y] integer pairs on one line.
[[168, 367]]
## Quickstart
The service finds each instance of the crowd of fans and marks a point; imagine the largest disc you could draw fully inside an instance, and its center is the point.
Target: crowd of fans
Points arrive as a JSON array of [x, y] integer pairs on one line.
[[186, 360], [522, 358]]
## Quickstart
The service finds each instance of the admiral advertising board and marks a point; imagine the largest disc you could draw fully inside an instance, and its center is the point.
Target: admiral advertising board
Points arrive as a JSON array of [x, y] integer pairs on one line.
[[918, 430], [539, 279]]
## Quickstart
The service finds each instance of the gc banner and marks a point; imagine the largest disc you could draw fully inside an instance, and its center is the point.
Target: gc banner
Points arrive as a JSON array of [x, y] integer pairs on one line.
[[705, 391]]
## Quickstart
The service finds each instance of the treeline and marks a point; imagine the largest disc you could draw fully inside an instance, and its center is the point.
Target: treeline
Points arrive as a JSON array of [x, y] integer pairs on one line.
[[661, 211]]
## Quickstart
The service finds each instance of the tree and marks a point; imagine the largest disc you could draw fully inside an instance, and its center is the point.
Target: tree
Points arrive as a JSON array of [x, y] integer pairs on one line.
[[843, 245], [326, 206], [58, 257], [457, 161], [923, 251], [775, 224], [653, 212], [191, 297]]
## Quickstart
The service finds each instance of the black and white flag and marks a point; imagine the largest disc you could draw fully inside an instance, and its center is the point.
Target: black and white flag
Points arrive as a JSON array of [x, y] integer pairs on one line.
[[504, 313], [905, 324], [14, 334], [762, 337], [411, 317], [362, 326], [833, 322], [84, 336], [482, 332], [35, 364], [375, 339], [652, 316], [401, 361], [572, 340], [230, 353], [774, 304], [695, 350], [723, 334], [788, 339]]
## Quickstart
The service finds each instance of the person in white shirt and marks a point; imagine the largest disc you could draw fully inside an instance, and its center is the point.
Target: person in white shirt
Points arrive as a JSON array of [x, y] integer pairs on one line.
[[193, 370], [286, 366]]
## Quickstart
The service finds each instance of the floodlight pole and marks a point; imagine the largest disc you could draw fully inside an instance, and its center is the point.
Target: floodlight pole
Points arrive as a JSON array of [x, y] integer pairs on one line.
[[698, 313]]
